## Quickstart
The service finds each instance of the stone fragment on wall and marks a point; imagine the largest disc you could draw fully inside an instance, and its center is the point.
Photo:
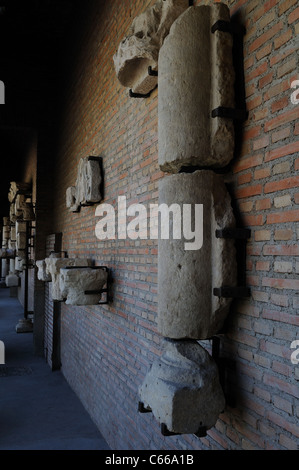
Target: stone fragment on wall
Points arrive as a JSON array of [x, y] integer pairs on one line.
[[75, 282], [18, 188], [140, 49], [42, 273], [54, 265], [28, 213], [88, 181], [196, 76], [87, 190], [71, 203], [189, 270], [182, 388]]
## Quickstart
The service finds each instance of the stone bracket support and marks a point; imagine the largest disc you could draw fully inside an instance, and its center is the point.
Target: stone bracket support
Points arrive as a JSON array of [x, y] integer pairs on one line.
[[105, 290], [139, 95]]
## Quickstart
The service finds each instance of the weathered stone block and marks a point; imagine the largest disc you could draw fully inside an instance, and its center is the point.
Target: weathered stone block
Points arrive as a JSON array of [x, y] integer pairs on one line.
[[88, 181], [140, 49], [196, 75], [74, 283], [53, 267], [42, 273], [21, 241], [88, 185], [28, 212], [12, 280], [182, 388], [18, 188], [19, 263], [71, 203], [188, 271]]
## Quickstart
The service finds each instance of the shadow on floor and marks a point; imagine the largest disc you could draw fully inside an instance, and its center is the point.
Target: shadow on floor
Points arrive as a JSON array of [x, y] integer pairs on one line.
[[38, 409]]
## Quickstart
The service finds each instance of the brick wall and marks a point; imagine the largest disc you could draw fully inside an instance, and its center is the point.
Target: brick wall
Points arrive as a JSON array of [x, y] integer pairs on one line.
[[107, 350]]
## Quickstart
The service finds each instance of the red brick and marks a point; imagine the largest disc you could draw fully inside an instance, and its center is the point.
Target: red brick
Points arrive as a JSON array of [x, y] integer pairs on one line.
[[283, 217], [281, 185], [261, 40], [279, 283], [262, 173], [263, 204], [280, 104], [293, 16], [249, 191], [249, 162], [287, 116]]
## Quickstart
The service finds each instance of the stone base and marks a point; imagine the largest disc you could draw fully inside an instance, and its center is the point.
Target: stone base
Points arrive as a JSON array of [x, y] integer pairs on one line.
[[182, 388], [24, 326], [13, 292]]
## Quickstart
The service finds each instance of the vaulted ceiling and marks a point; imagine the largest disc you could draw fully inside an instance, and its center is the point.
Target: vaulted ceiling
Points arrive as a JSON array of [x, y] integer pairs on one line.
[[35, 39]]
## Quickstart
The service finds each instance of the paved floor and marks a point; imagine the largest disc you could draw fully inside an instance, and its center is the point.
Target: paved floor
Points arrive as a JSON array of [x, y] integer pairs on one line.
[[38, 409]]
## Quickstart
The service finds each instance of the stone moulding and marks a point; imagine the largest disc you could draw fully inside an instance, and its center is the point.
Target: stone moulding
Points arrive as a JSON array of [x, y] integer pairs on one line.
[[196, 76], [182, 388], [87, 190], [139, 50]]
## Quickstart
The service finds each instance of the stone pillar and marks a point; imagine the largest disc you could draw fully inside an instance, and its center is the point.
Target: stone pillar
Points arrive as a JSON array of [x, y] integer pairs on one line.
[[189, 270], [53, 267], [195, 76]]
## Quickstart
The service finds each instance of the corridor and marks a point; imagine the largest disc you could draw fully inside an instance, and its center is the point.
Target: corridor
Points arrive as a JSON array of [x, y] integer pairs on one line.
[[38, 410]]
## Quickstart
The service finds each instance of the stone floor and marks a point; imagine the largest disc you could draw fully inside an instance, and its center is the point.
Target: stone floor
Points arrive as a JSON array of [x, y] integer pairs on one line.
[[38, 409]]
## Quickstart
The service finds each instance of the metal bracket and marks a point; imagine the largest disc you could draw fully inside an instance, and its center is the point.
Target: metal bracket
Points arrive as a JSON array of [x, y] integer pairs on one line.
[[202, 431], [236, 233], [138, 95], [230, 113], [151, 72], [228, 27], [143, 409], [223, 26], [237, 292]]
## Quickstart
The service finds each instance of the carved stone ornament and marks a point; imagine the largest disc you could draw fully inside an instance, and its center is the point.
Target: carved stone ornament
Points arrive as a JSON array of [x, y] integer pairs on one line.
[[88, 185], [196, 76], [182, 388], [74, 283], [139, 50]]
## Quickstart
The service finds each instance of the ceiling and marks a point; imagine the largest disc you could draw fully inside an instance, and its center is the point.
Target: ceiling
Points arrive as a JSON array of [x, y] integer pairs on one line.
[[34, 38]]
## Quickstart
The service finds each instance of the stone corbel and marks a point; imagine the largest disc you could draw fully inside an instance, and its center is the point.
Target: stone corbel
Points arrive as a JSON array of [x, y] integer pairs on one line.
[[87, 190], [136, 60], [83, 285]]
